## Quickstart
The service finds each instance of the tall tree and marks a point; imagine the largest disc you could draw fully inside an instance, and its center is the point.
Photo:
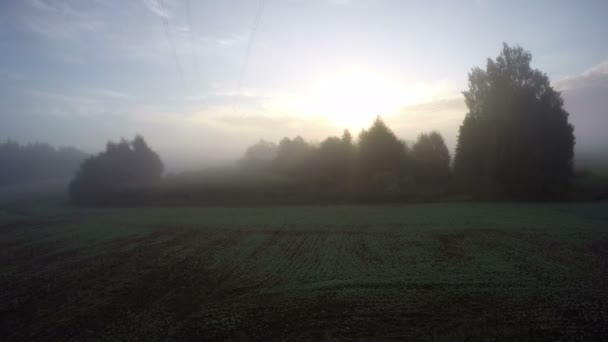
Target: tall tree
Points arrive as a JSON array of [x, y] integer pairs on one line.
[[335, 158], [259, 154], [432, 159], [516, 137], [147, 163], [295, 157], [382, 157], [121, 164], [37, 163]]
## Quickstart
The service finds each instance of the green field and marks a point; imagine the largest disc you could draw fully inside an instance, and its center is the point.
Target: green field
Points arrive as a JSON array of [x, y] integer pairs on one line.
[[454, 271]]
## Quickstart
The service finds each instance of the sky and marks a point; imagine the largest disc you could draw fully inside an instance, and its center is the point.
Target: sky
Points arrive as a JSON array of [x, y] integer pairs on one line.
[[202, 80]]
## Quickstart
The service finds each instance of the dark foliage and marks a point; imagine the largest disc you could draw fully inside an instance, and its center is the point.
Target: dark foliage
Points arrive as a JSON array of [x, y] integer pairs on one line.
[[335, 160], [295, 157], [383, 162], [36, 163], [122, 165], [432, 160], [516, 139], [259, 156], [379, 168]]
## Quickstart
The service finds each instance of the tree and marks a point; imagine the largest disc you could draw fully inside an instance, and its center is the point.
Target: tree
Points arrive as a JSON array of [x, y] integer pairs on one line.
[[120, 165], [146, 163], [516, 138], [295, 157], [259, 155], [335, 158], [37, 163], [382, 157], [432, 159]]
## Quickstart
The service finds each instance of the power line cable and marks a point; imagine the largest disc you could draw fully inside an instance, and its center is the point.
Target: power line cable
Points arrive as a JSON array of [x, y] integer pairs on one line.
[[192, 44], [254, 29], [165, 21]]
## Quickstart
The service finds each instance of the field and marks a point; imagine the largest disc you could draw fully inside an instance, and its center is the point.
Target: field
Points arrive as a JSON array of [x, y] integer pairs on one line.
[[453, 271]]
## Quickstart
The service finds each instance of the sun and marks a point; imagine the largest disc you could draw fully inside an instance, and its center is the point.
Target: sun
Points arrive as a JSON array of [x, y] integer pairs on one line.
[[352, 99]]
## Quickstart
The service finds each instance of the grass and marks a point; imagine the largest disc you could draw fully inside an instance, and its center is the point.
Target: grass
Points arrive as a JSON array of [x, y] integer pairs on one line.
[[445, 271]]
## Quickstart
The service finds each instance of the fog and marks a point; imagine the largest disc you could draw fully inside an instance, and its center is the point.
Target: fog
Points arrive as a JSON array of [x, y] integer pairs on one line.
[[585, 98], [190, 144], [203, 82]]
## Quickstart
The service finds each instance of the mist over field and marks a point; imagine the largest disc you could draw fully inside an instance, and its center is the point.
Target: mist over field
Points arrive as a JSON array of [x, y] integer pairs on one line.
[[202, 81], [303, 170]]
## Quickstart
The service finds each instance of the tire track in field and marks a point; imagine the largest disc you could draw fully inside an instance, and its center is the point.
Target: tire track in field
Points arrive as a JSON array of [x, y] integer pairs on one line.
[[243, 264], [265, 269], [536, 257], [228, 263], [305, 265], [286, 257], [283, 258], [334, 258]]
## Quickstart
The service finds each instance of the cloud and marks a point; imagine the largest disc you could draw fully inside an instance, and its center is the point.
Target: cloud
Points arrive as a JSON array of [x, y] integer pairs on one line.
[[74, 99], [275, 127], [443, 115], [436, 110], [341, 2], [586, 101], [157, 7], [59, 19], [11, 75], [62, 105], [226, 41], [596, 76], [257, 121], [86, 102], [109, 93]]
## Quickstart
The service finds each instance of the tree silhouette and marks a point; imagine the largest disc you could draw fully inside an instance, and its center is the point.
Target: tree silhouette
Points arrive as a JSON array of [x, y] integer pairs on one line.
[[259, 155], [37, 162], [122, 164], [295, 157], [432, 159], [382, 157], [335, 158], [516, 138]]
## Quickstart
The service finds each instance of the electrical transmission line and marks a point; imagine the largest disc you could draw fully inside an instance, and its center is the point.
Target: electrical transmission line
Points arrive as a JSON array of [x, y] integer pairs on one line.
[[178, 66], [254, 29], [192, 43]]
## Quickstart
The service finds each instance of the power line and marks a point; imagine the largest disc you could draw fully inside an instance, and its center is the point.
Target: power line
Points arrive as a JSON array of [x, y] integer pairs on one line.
[[254, 29], [192, 44], [165, 21]]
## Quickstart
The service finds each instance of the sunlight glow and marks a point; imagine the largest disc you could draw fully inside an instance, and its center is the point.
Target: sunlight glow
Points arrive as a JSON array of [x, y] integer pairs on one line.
[[352, 99]]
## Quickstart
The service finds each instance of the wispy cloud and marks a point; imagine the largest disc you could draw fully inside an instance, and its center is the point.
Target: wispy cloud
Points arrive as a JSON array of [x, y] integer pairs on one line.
[[59, 19], [596, 76], [109, 93], [340, 2], [56, 104], [227, 41], [11, 75], [586, 101], [83, 103], [260, 121], [157, 7], [72, 99], [444, 115]]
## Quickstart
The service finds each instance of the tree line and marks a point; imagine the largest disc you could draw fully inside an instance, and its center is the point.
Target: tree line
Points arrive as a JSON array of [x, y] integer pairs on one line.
[[37, 163], [121, 165], [378, 163], [514, 142]]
